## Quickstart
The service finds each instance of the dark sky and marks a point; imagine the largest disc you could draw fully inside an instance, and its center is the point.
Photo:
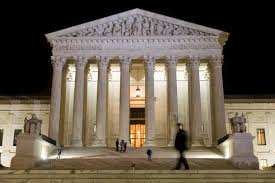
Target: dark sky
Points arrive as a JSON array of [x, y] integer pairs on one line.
[[25, 55]]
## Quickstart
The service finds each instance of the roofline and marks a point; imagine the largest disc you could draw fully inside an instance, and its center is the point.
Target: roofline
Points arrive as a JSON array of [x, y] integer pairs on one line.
[[130, 12], [249, 99], [25, 99]]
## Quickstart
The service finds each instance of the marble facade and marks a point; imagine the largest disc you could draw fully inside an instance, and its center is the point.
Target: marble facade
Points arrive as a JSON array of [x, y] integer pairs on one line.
[[97, 67], [259, 113], [111, 48]]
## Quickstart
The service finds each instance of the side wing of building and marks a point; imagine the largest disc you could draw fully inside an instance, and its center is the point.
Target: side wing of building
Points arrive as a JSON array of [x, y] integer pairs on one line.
[[259, 114]]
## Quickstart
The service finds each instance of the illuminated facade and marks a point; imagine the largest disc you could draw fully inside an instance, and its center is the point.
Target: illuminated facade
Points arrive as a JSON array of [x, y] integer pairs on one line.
[[97, 67], [133, 76]]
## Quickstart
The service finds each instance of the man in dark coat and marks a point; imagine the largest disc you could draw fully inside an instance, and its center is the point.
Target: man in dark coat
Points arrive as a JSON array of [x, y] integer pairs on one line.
[[117, 143], [181, 144]]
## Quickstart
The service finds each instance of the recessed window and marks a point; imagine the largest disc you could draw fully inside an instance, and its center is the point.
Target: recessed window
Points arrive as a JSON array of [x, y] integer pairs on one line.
[[16, 133], [261, 136], [1, 136]]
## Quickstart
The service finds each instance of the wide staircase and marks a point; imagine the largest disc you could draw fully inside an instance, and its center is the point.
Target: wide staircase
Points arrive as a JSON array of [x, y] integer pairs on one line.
[[136, 176], [109, 159], [81, 165]]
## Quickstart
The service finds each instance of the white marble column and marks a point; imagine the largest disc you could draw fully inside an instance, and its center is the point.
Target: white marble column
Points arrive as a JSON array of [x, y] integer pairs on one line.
[[101, 105], [149, 63], [57, 63], [172, 99], [78, 101], [195, 121], [124, 98], [217, 96]]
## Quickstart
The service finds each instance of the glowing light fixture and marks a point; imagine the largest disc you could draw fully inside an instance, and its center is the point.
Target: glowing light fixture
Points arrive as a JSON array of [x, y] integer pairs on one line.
[[263, 163], [137, 92]]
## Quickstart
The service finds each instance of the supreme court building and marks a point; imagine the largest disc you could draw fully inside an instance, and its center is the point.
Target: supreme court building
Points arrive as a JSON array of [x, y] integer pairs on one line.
[[99, 66], [133, 76]]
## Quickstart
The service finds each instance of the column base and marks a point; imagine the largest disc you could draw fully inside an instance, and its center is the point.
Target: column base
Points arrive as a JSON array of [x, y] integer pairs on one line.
[[171, 143], [197, 144], [99, 143], [76, 143], [149, 143]]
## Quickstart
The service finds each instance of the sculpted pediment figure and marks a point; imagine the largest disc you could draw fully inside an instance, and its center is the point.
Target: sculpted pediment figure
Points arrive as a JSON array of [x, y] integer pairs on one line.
[[136, 22]]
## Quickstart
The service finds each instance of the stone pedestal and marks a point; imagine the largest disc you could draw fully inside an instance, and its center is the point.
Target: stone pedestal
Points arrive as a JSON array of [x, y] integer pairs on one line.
[[238, 148], [29, 150]]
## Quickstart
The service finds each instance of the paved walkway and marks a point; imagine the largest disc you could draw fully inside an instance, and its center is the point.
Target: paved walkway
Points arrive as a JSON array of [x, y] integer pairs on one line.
[[165, 152], [109, 159]]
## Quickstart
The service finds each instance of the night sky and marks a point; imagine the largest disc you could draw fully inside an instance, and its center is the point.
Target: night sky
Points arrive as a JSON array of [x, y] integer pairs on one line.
[[25, 54]]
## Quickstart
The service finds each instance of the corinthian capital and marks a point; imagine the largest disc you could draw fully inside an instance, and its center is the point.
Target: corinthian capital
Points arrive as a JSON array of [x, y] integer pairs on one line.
[[192, 63], [102, 61], [124, 60], [215, 61], [149, 62], [80, 62], [58, 61], [171, 61]]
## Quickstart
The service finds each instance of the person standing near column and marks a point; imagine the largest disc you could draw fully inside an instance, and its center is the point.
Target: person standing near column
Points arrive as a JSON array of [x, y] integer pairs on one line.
[[124, 108]]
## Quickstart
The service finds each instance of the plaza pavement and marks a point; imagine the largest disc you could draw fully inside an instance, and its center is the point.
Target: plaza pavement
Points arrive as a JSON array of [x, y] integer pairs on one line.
[[199, 158]]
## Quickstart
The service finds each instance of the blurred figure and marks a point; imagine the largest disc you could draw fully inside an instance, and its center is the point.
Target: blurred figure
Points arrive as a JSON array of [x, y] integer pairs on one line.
[[59, 150], [125, 146], [181, 144], [149, 154], [117, 143], [121, 145]]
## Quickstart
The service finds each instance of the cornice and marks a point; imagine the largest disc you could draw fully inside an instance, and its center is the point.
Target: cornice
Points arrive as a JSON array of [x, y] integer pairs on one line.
[[135, 39], [136, 44]]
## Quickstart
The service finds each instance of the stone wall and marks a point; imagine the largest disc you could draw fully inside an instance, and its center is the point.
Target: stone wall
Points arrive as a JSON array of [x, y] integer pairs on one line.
[[12, 114], [259, 114]]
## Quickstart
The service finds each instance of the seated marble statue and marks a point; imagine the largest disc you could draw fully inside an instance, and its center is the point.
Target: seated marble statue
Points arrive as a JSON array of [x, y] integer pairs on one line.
[[33, 125], [238, 123]]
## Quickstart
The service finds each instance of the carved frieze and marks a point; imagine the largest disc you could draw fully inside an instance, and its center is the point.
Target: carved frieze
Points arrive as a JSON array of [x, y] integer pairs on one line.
[[138, 46], [136, 25]]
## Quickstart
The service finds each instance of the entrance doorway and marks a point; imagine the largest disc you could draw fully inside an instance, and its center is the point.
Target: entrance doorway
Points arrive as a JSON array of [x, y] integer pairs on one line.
[[137, 127]]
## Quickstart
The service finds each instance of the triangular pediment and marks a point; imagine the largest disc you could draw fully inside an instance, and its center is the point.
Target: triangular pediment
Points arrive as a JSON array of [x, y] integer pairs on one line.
[[135, 22]]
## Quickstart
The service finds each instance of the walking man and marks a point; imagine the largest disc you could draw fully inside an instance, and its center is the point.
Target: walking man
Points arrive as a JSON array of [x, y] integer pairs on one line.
[[121, 145], [125, 146], [181, 144], [149, 154], [117, 143], [59, 150]]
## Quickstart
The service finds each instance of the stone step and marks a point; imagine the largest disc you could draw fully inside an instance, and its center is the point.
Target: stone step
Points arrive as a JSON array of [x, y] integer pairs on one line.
[[136, 176], [126, 164], [197, 152]]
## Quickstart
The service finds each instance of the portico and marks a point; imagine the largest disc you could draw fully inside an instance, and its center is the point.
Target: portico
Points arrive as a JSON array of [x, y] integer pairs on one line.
[[97, 67]]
